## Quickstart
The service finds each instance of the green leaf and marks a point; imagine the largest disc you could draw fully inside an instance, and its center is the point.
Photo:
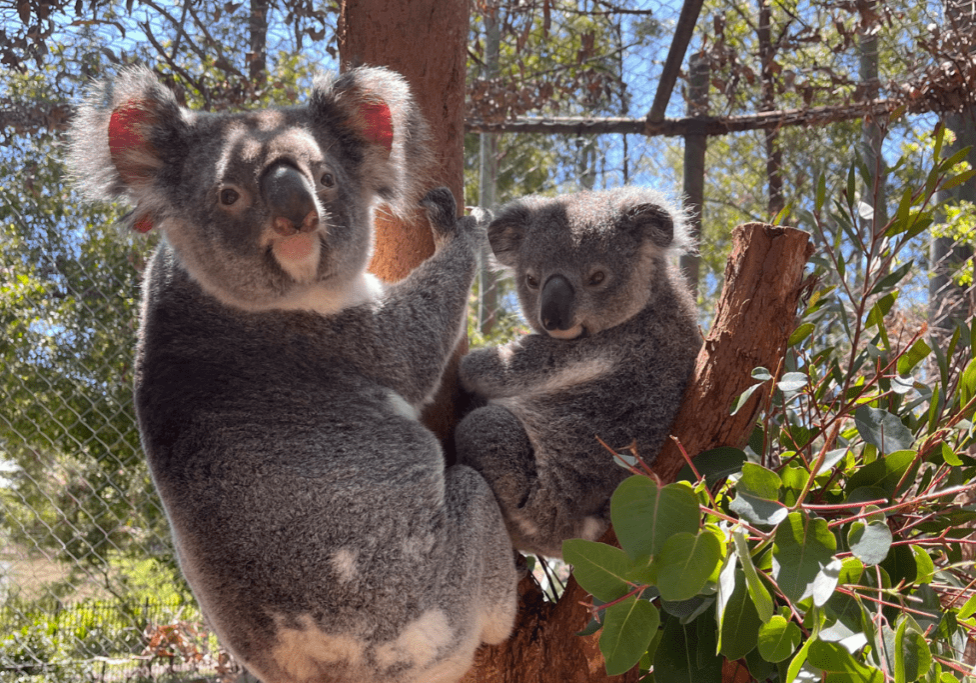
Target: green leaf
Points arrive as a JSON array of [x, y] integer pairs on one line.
[[739, 623], [687, 653], [882, 474], [628, 628], [950, 456], [778, 639], [799, 659], [757, 590], [757, 510], [825, 582], [967, 385], [839, 665], [715, 464], [880, 309], [760, 669], [821, 193], [882, 429], [685, 563], [892, 279], [644, 517], [800, 333], [869, 541], [803, 546], [958, 179], [969, 608], [744, 398], [759, 481], [912, 655], [924, 565], [599, 568], [792, 382], [900, 565]]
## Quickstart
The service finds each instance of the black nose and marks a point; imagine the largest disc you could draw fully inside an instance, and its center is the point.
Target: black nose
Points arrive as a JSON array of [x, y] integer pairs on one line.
[[290, 196], [557, 302]]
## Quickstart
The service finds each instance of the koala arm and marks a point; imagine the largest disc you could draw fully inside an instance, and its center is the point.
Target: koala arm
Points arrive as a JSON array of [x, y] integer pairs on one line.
[[514, 368], [418, 322]]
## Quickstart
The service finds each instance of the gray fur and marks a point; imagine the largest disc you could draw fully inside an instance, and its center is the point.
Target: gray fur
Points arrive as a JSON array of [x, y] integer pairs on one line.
[[311, 511], [626, 348]]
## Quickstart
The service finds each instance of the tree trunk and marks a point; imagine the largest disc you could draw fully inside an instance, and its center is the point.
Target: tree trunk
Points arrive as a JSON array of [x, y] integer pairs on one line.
[[694, 166], [948, 302], [488, 175], [426, 42], [257, 58], [774, 155], [754, 319]]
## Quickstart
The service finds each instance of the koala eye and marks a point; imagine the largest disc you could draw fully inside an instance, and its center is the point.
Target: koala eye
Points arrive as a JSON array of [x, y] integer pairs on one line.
[[229, 196], [596, 278], [328, 180], [532, 281]]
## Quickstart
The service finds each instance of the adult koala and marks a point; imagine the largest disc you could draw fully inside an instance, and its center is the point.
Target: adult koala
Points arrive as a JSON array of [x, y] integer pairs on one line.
[[615, 341], [278, 384]]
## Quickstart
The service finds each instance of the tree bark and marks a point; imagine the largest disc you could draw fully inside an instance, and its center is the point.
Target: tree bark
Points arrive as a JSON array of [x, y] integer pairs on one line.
[[754, 319], [694, 167], [426, 42]]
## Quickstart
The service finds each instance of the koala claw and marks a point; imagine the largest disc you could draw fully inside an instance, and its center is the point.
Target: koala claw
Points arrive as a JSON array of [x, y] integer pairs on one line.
[[441, 210]]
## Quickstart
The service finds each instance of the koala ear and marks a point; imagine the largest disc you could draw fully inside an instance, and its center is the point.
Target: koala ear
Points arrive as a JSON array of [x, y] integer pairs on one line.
[[373, 114], [115, 139], [506, 232], [650, 222]]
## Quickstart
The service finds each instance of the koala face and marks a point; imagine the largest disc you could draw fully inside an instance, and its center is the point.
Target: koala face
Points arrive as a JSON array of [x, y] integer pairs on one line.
[[584, 262], [264, 208]]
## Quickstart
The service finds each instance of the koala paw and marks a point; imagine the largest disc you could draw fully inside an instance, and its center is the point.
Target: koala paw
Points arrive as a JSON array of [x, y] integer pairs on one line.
[[441, 211]]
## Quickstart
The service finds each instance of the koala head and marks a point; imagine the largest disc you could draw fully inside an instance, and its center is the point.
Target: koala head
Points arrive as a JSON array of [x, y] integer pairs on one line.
[[588, 261], [264, 206]]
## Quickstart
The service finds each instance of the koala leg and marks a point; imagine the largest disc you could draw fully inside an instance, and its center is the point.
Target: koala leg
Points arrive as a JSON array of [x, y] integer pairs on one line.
[[483, 551], [492, 441]]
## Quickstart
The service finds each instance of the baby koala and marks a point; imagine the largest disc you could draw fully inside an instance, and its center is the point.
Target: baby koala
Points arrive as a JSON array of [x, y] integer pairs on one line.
[[614, 344]]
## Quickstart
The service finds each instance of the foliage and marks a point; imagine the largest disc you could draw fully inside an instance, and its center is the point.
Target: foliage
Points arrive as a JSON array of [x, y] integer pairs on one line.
[[839, 541]]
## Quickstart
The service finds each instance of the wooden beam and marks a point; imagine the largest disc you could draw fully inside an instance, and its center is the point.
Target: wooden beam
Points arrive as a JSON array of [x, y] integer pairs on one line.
[[683, 31], [710, 125]]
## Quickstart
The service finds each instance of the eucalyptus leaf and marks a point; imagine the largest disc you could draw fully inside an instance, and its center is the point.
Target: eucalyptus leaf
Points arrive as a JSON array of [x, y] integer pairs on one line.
[[833, 659], [599, 568], [882, 429], [685, 563], [757, 591], [825, 583], [778, 639], [644, 516], [791, 382], [628, 628], [803, 547], [715, 464], [756, 510], [740, 622], [685, 656], [869, 541], [913, 658]]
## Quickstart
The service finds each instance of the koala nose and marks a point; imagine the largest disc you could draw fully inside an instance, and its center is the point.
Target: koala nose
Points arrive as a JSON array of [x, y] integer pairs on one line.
[[557, 303], [291, 199]]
